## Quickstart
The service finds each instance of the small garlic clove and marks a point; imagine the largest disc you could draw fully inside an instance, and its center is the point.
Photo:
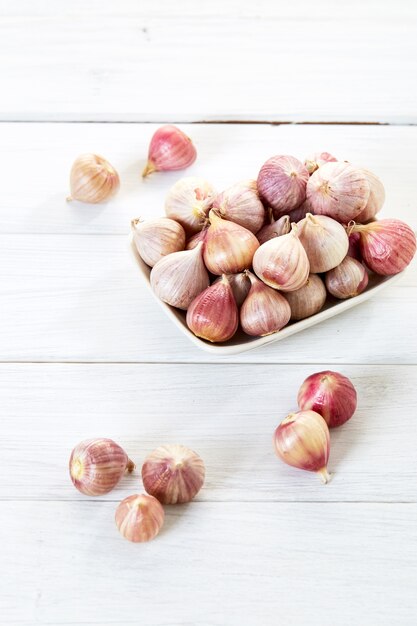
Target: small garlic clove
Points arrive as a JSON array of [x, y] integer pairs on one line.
[[282, 183], [276, 228], [189, 201], [376, 198], [324, 240], [92, 179], [240, 285], [302, 440], [329, 394], [179, 277], [282, 262], [316, 160], [347, 280], [308, 300], [264, 311], [229, 248], [240, 203], [170, 149], [139, 518], [173, 474], [213, 315], [156, 238], [97, 465]]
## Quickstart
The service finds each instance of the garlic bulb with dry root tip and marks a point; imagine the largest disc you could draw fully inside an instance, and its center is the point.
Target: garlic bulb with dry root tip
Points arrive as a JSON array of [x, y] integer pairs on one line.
[[376, 198], [338, 190], [316, 160], [228, 247], [308, 300], [213, 315], [179, 277], [170, 149], [188, 202], [240, 285], [324, 240], [97, 465], [282, 183], [347, 280], [302, 440], [92, 179], [139, 518], [275, 228], [173, 474], [330, 394], [387, 246], [240, 203], [282, 262], [156, 238], [264, 311]]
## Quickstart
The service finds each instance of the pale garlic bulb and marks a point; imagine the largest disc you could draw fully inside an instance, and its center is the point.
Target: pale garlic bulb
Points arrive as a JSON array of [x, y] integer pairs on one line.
[[347, 280], [264, 311], [316, 160], [156, 238], [189, 201], [92, 179], [240, 203], [325, 241], [228, 247], [308, 300], [376, 198], [139, 518]]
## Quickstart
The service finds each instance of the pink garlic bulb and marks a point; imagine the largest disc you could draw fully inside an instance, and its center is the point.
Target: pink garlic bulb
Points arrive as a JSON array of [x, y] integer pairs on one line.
[[240, 203], [376, 198], [316, 160], [213, 315], [282, 183], [354, 246], [330, 394], [240, 285], [347, 280], [139, 518], [264, 311], [170, 149], [276, 228]]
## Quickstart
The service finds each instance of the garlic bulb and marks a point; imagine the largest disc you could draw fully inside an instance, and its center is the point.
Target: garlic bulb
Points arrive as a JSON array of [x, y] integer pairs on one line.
[[213, 315], [240, 285], [97, 465], [276, 228], [265, 311], [354, 250], [329, 394], [347, 280], [282, 183], [229, 248], [282, 262], [188, 202], [92, 179], [139, 518], [156, 238], [324, 240], [376, 198], [173, 474], [195, 239], [170, 149], [240, 203], [338, 190], [179, 277], [296, 215], [308, 300], [302, 440], [316, 160]]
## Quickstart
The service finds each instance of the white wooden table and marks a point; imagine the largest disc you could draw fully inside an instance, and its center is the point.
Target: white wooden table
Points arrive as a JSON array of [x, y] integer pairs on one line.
[[85, 350]]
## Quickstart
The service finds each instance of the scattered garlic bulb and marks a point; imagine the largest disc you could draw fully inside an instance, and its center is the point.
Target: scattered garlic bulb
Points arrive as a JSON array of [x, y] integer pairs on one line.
[[92, 179], [308, 300], [179, 277], [354, 250], [329, 394], [240, 285], [156, 238], [188, 202], [387, 246], [97, 465], [170, 149], [139, 517], [302, 440], [376, 198], [173, 474], [347, 280], [229, 248], [316, 160], [338, 190], [324, 240], [282, 262], [240, 203], [195, 239], [213, 315], [282, 183], [276, 228], [265, 311]]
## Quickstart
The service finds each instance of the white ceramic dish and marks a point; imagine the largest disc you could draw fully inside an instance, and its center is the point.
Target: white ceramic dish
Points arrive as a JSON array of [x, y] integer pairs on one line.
[[242, 342]]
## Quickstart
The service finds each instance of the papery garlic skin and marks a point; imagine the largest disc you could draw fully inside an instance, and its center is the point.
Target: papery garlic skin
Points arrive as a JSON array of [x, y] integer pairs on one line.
[[282, 262], [240, 203], [276, 228], [308, 300], [264, 311], [240, 284], [228, 248], [157, 238], [282, 183], [97, 465], [324, 240], [213, 315], [188, 202], [376, 198], [179, 277], [139, 518], [316, 160], [330, 394], [170, 149], [387, 246], [195, 239], [347, 280], [338, 190], [173, 474], [302, 440], [93, 179]]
